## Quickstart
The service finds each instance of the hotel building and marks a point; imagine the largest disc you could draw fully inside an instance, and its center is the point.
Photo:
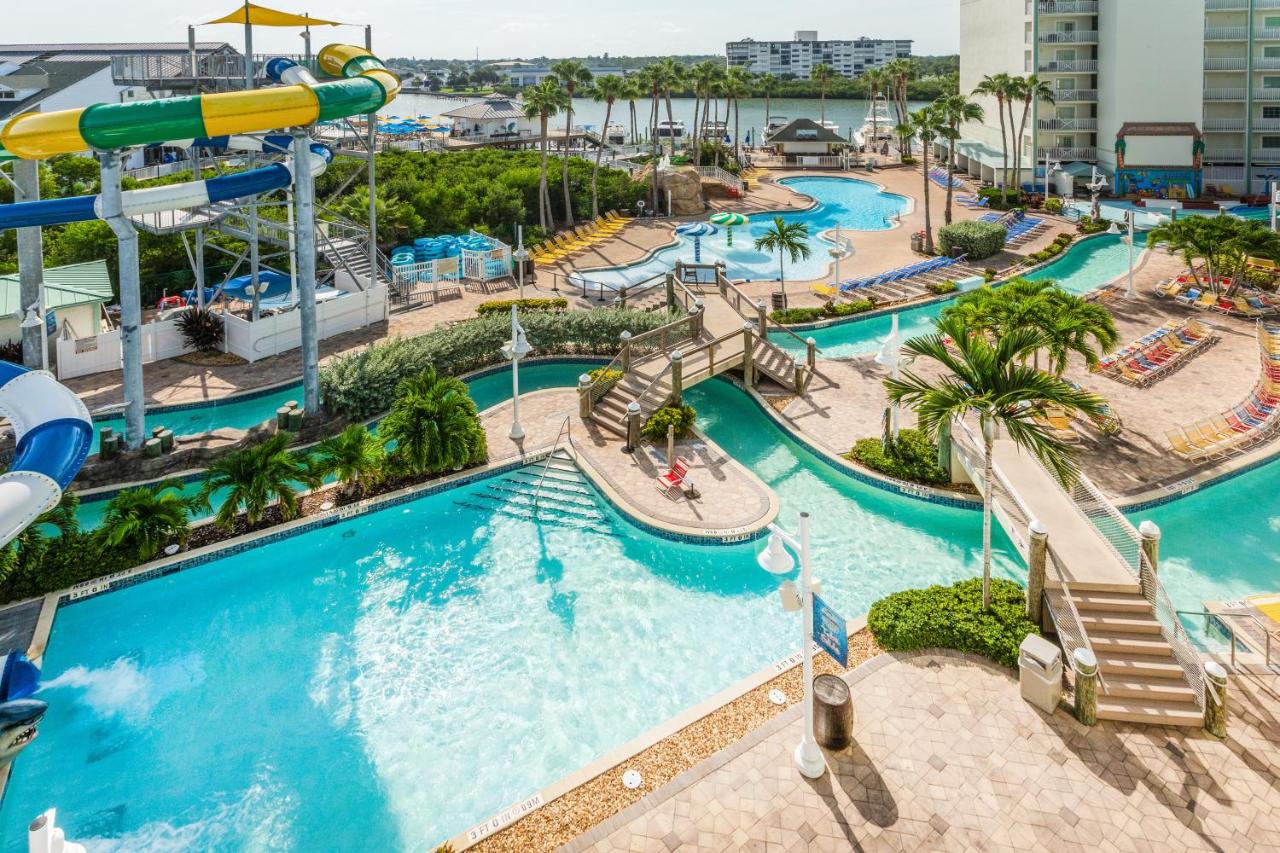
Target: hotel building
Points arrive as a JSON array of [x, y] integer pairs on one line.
[[798, 57]]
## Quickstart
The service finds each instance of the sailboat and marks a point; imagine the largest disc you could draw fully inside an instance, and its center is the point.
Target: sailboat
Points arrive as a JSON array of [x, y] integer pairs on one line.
[[878, 124]]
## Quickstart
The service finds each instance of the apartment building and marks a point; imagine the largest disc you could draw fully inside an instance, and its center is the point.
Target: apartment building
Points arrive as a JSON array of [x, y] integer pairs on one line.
[[797, 58], [1165, 97]]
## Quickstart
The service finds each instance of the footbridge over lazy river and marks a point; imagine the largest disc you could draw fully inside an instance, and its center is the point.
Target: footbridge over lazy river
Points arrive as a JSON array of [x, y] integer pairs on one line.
[[1101, 590], [721, 329]]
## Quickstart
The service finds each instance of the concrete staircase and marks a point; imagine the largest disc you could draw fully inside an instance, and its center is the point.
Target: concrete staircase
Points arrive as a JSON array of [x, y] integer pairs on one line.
[[553, 491], [352, 257]]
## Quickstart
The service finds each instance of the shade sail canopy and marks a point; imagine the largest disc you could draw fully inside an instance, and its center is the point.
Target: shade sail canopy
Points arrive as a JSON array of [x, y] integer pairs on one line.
[[261, 16]]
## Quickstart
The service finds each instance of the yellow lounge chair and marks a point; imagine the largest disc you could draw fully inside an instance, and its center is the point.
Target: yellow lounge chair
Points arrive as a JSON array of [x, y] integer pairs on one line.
[[826, 291]]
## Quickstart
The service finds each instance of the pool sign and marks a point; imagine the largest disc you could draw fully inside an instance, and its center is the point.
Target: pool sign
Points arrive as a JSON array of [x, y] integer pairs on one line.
[[829, 631]]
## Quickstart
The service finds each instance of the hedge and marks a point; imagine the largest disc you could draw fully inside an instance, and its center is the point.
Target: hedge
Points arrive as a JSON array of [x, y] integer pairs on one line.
[[503, 306], [974, 238], [362, 384], [952, 617], [793, 316], [681, 417], [913, 457]]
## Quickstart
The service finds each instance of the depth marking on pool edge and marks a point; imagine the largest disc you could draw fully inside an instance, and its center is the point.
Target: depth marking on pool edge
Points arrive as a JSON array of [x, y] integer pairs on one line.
[[504, 818]]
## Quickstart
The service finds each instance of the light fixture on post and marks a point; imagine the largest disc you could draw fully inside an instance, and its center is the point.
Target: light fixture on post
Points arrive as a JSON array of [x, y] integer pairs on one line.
[[520, 255], [1130, 216], [777, 559], [35, 320], [1113, 229], [514, 350]]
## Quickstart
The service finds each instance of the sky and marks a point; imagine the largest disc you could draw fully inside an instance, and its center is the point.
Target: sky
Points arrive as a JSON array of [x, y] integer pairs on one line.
[[508, 28]]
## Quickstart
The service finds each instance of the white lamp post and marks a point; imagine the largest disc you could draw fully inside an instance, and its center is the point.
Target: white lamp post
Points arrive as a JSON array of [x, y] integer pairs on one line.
[[1129, 216], [520, 255], [515, 349], [35, 320], [888, 357], [776, 559]]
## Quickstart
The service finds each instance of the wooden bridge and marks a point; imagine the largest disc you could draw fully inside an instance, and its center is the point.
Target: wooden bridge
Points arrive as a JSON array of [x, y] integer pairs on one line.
[[1100, 591], [722, 329]]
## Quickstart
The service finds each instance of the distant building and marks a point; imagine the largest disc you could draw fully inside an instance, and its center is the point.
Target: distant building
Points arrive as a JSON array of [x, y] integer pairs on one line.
[[75, 299], [805, 137], [798, 57], [531, 75], [494, 117]]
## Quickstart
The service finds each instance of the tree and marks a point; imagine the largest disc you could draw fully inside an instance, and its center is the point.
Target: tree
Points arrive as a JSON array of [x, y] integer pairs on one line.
[[1030, 89], [1192, 237], [876, 79], [572, 74], [737, 83], [607, 89], [140, 521], [767, 83], [354, 457], [987, 378], [650, 80], [543, 101], [898, 72], [788, 239], [632, 91], [27, 550], [822, 74], [998, 86], [434, 425], [670, 75], [254, 479], [700, 78], [925, 125], [955, 110], [1250, 239]]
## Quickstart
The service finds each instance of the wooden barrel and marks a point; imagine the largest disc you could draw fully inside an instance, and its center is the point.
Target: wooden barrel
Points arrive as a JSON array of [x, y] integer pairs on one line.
[[832, 712]]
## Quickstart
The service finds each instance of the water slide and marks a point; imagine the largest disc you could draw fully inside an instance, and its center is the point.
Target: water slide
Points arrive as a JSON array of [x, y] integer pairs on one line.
[[217, 121], [53, 431]]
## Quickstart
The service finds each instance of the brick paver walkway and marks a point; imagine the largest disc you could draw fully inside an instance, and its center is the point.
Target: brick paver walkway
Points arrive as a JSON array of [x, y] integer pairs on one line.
[[948, 757]]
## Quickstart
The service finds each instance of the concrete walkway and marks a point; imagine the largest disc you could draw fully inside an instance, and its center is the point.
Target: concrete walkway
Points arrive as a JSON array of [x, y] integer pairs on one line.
[[948, 757]]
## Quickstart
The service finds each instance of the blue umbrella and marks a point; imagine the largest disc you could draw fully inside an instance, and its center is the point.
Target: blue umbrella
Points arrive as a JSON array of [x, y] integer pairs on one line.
[[696, 230]]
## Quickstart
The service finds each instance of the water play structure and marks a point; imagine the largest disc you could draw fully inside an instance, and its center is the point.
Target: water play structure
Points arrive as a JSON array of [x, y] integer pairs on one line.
[[221, 121]]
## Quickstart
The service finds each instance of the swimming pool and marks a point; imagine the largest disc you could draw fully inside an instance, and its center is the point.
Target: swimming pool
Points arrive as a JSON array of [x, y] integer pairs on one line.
[[440, 662], [852, 204], [1083, 267], [487, 391]]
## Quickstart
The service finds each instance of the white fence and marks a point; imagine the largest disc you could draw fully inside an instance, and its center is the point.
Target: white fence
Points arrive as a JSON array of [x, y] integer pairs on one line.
[[715, 173], [251, 341]]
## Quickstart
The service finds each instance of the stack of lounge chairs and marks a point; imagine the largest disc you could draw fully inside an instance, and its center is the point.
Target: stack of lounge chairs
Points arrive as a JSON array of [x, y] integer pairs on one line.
[[1021, 228], [1243, 304], [941, 178], [901, 284], [1243, 426], [568, 242], [973, 202], [1157, 353]]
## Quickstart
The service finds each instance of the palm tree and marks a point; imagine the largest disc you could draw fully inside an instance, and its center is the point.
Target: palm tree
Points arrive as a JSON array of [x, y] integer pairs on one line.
[[925, 125], [1031, 89], [767, 83], [27, 550], [608, 89], [354, 457], [1247, 239], [140, 521], [737, 82], [434, 425], [955, 111], [876, 79], [571, 73], [822, 74], [989, 379], [899, 73], [700, 78], [649, 79], [1192, 237], [904, 132], [788, 239], [670, 75], [543, 101], [998, 86], [632, 91], [255, 478]]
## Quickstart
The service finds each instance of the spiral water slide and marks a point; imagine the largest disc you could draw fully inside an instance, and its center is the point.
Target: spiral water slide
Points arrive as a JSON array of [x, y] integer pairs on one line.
[[206, 121]]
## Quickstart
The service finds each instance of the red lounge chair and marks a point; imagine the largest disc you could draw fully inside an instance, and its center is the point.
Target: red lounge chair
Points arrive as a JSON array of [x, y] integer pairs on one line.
[[674, 478]]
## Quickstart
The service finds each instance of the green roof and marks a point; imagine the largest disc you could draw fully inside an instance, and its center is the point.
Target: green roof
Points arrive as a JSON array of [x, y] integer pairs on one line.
[[75, 284]]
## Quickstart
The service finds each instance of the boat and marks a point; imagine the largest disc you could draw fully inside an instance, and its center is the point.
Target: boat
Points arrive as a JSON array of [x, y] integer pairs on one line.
[[775, 124], [669, 130], [615, 134], [877, 125], [831, 126], [715, 130]]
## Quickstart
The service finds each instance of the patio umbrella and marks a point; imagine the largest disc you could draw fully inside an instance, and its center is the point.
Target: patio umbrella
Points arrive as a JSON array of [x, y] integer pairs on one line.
[[696, 230], [729, 219]]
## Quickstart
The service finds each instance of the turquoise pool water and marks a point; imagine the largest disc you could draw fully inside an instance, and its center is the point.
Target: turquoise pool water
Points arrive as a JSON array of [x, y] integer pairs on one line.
[[239, 413], [1084, 267], [852, 204], [487, 391]]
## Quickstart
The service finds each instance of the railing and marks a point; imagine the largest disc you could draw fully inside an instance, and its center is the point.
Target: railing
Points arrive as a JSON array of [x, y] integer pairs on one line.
[[710, 349], [184, 69], [1086, 124], [646, 343], [715, 173], [1226, 33], [565, 429], [1068, 7], [736, 298], [1174, 633], [1223, 620], [643, 397], [1224, 94], [1081, 153], [1226, 63], [1069, 66], [1069, 37], [1229, 125], [1075, 96]]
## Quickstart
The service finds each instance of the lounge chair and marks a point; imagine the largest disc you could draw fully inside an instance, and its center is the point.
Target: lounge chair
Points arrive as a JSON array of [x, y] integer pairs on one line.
[[676, 478]]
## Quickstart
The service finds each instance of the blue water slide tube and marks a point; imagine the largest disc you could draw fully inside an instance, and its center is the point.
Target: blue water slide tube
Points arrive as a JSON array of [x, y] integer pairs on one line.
[[276, 176], [53, 432]]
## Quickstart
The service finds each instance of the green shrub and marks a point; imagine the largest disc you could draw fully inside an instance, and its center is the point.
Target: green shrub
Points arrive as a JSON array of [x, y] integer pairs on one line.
[[1053, 205], [990, 274], [503, 306], [938, 288], [952, 617], [681, 417], [1089, 225], [846, 309], [791, 316], [604, 374], [363, 384], [908, 160], [974, 238], [912, 457]]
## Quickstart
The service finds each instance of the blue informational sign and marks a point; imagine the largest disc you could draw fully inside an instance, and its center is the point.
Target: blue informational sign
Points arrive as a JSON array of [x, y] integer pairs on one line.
[[50, 322], [829, 631]]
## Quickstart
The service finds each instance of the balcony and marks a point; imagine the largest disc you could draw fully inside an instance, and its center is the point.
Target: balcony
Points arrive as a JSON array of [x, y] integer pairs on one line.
[[1068, 7], [1224, 125], [1076, 96], [1087, 152], [1225, 94], [1226, 5], [1069, 66], [1226, 33], [1069, 37], [1083, 125], [1224, 155], [1266, 155], [1226, 63], [1266, 94]]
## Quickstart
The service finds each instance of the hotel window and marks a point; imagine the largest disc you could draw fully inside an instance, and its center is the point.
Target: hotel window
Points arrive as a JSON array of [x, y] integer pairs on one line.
[[1271, 112], [1271, 22], [1271, 142], [1271, 82], [1271, 52]]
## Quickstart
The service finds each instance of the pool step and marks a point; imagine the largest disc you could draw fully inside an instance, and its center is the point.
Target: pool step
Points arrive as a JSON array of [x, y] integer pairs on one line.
[[540, 515], [548, 493], [544, 504]]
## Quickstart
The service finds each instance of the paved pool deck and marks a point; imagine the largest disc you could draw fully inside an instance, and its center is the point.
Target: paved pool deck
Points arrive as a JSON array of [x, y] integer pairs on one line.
[[947, 756], [731, 502]]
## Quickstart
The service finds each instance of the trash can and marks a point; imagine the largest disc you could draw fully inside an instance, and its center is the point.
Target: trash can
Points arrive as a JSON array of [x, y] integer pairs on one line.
[[832, 712], [779, 300], [917, 242], [1040, 672]]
